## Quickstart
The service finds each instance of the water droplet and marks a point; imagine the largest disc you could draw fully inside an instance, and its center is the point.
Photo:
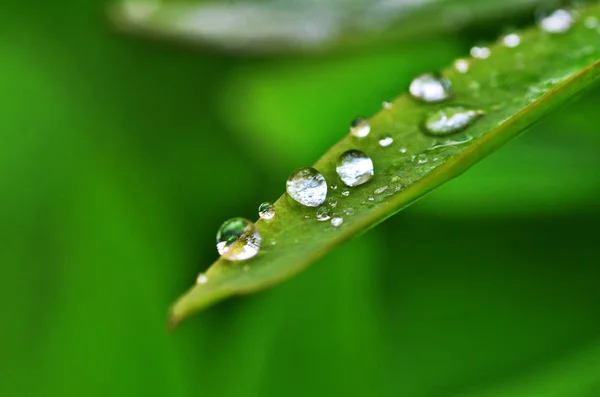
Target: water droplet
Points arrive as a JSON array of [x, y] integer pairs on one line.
[[371, 198], [337, 221], [307, 186], [450, 120], [591, 22], [511, 40], [323, 214], [421, 158], [403, 150], [202, 279], [333, 186], [431, 88], [360, 127], [238, 239], [380, 190], [266, 210], [386, 141], [480, 52], [386, 105], [395, 179], [354, 168], [462, 65], [273, 242], [332, 202], [346, 193], [559, 21], [349, 211]]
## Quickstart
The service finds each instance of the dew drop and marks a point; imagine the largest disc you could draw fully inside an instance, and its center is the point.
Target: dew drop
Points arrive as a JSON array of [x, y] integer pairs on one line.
[[462, 65], [337, 221], [332, 202], [386, 105], [380, 190], [238, 239], [323, 214], [395, 179], [333, 186], [386, 141], [591, 22], [431, 88], [421, 158], [559, 21], [307, 186], [202, 279], [403, 150], [511, 40], [266, 210], [345, 193], [480, 52], [450, 120], [349, 211], [360, 127], [354, 168]]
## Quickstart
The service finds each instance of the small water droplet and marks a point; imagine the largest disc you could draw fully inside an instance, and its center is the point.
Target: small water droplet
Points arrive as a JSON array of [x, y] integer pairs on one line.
[[431, 88], [591, 22], [450, 120], [307, 186], [337, 221], [354, 168], [323, 214], [273, 242], [333, 186], [332, 202], [266, 210], [511, 40], [386, 141], [462, 65], [421, 158], [238, 239], [360, 127], [386, 105], [395, 179], [480, 52], [349, 211], [371, 198], [559, 21], [403, 150], [346, 193], [380, 190], [202, 279]]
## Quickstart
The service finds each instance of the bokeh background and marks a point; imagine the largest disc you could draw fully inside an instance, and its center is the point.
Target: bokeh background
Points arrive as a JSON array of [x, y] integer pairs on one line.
[[120, 157]]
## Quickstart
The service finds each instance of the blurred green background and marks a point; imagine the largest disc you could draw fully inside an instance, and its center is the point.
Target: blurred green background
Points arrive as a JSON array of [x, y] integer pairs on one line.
[[120, 157]]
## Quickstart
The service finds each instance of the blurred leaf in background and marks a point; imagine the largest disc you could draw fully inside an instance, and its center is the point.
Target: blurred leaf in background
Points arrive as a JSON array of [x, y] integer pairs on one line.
[[119, 160]]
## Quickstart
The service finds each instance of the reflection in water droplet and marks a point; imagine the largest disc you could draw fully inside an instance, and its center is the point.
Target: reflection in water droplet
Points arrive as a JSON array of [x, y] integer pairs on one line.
[[450, 120], [323, 214], [360, 127], [380, 190], [386, 141], [337, 221], [511, 40], [431, 88], [591, 22], [386, 105], [354, 168], [558, 21], [346, 193], [462, 65], [307, 186], [349, 211], [202, 279], [480, 52], [238, 239], [266, 210]]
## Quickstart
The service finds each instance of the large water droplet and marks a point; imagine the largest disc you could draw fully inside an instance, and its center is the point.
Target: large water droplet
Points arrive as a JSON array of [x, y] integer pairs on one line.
[[431, 88], [450, 120], [360, 127], [238, 239], [354, 168], [307, 186], [266, 210], [558, 21]]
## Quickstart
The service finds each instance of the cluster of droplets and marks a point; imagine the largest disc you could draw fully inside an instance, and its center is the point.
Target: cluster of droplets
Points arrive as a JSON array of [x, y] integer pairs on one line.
[[239, 239]]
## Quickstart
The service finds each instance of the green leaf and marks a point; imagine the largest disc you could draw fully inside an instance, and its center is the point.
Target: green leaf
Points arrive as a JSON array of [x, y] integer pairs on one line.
[[275, 25], [515, 87]]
